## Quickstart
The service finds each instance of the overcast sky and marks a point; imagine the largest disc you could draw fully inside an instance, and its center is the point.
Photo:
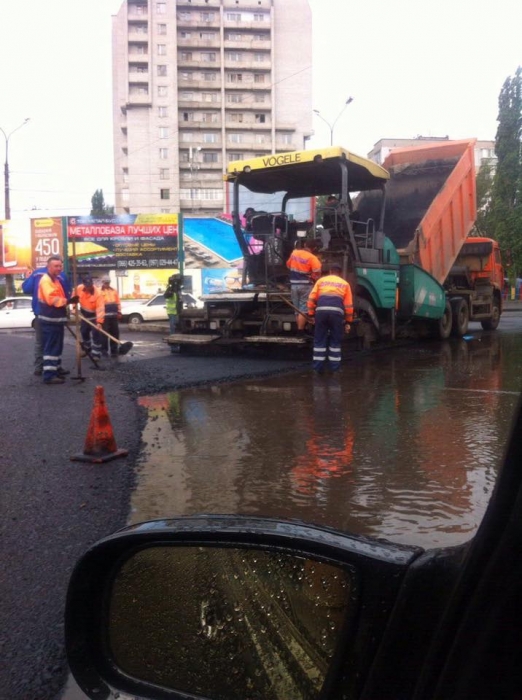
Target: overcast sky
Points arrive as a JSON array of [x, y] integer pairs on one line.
[[429, 67]]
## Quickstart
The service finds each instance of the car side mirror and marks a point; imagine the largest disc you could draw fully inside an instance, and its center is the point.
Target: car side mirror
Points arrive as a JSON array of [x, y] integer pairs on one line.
[[218, 607]]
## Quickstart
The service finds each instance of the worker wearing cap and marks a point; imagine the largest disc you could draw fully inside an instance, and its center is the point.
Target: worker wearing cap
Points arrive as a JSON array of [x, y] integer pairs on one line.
[[112, 314], [305, 268], [91, 308], [330, 304]]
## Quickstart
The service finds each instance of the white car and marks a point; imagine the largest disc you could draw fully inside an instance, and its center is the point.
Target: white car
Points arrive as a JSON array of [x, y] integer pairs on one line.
[[16, 312], [152, 310]]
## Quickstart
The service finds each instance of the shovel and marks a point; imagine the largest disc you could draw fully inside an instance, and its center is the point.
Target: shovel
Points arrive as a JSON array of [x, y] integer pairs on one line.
[[124, 347], [91, 358]]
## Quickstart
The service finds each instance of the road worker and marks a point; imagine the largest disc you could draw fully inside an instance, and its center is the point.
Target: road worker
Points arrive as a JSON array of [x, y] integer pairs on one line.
[[330, 304], [30, 286], [52, 316], [92, 308], [112, 314], [305, 269]]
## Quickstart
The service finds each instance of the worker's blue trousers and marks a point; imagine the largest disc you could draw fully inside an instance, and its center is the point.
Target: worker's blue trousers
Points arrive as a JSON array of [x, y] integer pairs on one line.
[[328, 335], [52, 341]]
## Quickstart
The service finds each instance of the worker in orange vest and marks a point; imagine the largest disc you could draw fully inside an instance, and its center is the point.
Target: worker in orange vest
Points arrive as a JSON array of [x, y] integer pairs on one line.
[[305, 269], [91, 308], [112, 314], [330, 304]]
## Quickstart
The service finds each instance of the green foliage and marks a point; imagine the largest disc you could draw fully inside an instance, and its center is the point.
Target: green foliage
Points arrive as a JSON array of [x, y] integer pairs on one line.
[[503, 217], [98, 206]]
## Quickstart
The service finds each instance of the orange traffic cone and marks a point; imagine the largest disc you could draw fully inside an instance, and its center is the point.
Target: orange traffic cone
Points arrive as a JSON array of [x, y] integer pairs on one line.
[[100, 445]]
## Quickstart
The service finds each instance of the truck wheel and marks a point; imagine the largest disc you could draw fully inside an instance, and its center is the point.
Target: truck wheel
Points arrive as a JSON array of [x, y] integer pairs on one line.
[[460, 323], [491, 324], [444, 324]]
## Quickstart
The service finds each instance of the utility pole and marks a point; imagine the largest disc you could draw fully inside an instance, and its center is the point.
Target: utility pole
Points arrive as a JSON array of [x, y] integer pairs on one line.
[[332, 126], [9, 279]]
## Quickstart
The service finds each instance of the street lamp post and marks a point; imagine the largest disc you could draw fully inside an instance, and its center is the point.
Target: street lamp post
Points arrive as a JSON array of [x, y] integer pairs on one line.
[[332, 126], [7, 195], [9, 279]]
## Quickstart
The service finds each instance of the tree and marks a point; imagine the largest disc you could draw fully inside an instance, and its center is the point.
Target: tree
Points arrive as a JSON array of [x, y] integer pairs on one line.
[[504, 217], [99, 208]]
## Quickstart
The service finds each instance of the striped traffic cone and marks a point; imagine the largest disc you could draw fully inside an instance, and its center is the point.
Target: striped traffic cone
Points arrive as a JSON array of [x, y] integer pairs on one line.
[[100, 444]]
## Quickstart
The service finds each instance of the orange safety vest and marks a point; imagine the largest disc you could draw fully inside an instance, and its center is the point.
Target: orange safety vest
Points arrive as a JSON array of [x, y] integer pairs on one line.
[[331, 293], [52, 300], [304, 267], [111, 300], [91, 303]]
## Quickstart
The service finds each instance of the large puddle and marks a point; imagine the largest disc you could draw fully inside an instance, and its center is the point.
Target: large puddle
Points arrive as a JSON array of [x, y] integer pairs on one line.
[[403, 445]]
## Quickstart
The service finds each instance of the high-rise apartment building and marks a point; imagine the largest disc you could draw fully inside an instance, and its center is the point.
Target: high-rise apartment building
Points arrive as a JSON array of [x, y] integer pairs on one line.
[[200, 83]]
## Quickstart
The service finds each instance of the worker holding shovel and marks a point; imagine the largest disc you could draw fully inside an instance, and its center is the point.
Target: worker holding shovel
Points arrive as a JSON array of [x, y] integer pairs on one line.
[[92, 307]]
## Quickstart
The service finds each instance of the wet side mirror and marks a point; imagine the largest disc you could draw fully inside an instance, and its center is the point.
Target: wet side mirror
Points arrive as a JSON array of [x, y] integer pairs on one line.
[[227, 622], [229, 607]]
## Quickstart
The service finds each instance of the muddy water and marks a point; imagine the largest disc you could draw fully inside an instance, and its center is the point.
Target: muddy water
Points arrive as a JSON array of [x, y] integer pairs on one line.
[[403, 445]]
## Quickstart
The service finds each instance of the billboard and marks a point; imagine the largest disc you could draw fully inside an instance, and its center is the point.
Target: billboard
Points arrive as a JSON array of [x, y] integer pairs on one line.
[[220, 280], [125, 241], [46, 239], [15, 247]]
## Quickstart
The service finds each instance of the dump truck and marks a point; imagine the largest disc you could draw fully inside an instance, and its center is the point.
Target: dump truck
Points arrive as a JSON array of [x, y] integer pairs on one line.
[[400, 232]]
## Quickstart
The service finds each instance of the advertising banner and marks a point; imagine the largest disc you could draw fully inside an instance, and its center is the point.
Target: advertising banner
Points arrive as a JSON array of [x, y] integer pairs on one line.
[[220, 280], [46, 240], [15, 246], [124, 241]]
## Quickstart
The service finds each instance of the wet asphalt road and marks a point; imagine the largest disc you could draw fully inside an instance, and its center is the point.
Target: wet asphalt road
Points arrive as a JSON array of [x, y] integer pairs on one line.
[[52, 509]]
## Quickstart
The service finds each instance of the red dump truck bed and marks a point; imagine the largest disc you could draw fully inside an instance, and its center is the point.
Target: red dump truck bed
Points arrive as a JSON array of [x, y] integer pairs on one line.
[[431, 203]]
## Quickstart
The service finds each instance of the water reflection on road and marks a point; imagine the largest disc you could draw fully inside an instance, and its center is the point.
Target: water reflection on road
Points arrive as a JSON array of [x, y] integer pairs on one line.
[[402, 445]]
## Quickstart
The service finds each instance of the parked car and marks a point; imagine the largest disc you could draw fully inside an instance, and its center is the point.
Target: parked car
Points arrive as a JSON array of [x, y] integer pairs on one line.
[[16, 312], [153, 309]]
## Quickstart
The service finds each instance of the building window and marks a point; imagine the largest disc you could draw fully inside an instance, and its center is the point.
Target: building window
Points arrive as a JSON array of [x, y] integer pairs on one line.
[[184, 16], [185, 35], [125, 151], [125, 175], [163, 91], [210, 137], [207, 36], [209, 117], [186, 56], [261, 37], [235, 77], [259, 78], [189, 96], [260, 118], [260, 17], [140, 9], [236, 156], [209, 96], [260, 138], [285, 138], [138, 28], [162, 71], [184, 156], [161, 8], [235, 117], [233, 36], [259, 97], [164, 174], [163, 112], [260, 57], [207, 16], [164, 132], [138, 49], [185, 75], [187, 136], [235, 98], [233, 16], [234, 56], [209, 77], [210, 157], [188, 116], [164, 194], [125, 195], [208, 56], [235, 138], [162, 49], [162, 29], [138, 68], [201, 194], [164, 153]]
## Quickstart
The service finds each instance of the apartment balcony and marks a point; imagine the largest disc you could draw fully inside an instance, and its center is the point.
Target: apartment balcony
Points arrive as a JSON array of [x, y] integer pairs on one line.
[[249, 125], [199, 4], [257, 66], [241, 24], [198, 125], [138, 100], [196, 64], [188, 167], [198, 24], [248, 45], [199, 105], [139, 77], [198, 140], [199, 43]]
